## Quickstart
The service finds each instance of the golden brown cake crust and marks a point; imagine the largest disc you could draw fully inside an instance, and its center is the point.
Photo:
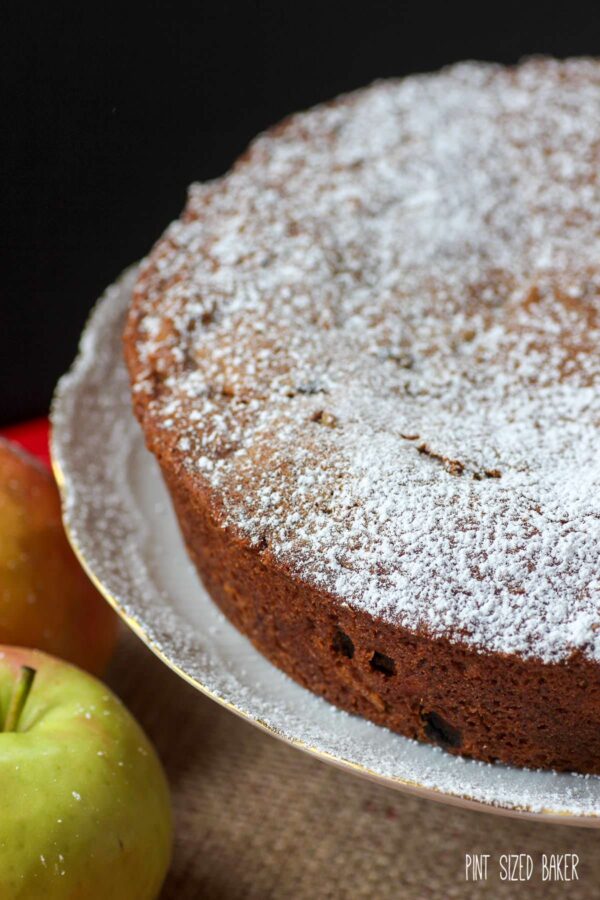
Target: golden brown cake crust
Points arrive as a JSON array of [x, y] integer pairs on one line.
[[366, 361]]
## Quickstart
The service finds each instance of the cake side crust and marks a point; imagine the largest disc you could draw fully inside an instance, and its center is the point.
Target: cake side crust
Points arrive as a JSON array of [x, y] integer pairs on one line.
[[492, 707]]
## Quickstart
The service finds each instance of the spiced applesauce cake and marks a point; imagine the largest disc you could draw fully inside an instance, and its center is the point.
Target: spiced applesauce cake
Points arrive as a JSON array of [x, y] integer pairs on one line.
[[367, 361]]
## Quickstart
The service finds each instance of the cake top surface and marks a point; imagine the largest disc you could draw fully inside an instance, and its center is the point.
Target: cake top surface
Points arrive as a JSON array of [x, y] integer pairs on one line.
[[376, 340]]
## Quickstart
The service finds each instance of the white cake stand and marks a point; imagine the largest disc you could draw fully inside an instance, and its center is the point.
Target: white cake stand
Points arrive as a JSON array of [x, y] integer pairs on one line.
[[120, 523]]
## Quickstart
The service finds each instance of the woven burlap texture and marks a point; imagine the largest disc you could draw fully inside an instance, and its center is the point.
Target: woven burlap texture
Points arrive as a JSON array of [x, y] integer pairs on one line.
[[257, 819]]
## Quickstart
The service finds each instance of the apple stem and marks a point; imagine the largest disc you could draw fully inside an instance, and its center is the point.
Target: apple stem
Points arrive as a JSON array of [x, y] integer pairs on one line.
[[19, 698]]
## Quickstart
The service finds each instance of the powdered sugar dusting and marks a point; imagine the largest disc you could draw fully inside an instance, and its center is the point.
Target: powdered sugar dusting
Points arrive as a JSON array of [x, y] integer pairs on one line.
[[376, 339]]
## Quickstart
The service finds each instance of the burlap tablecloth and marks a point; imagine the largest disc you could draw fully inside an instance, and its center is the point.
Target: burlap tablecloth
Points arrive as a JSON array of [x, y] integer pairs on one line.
[[257, 819]]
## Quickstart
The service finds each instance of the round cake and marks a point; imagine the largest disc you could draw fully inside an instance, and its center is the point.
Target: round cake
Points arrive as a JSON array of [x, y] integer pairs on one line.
[[367, 360]]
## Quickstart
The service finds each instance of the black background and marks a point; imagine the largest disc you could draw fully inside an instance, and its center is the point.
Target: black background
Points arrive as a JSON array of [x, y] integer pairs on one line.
[[110, 111]]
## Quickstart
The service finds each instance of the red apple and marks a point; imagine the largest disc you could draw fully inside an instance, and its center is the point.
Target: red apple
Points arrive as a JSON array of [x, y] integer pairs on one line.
[[46, 599]]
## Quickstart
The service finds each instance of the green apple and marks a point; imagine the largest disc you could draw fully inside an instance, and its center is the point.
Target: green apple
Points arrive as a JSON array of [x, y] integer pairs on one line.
[[84, 804]]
